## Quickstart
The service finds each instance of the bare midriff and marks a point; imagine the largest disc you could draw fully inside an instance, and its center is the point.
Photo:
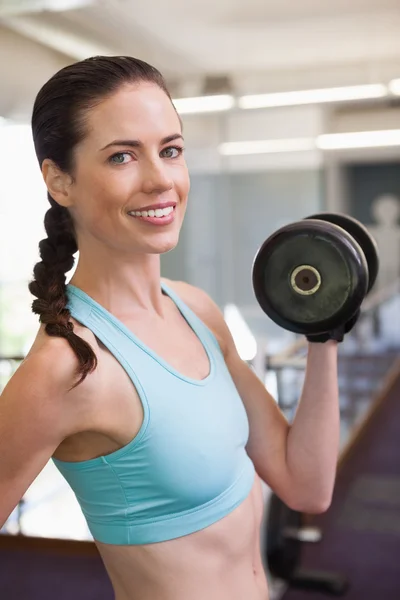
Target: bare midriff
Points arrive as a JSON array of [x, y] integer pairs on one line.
[[220, 562]]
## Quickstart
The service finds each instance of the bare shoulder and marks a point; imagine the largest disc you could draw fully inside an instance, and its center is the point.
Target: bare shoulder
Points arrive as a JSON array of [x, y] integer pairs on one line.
[[50, 370], [39, 388], [43, 340], [205, 308], [54, 357], [52, 367], [192, 295]]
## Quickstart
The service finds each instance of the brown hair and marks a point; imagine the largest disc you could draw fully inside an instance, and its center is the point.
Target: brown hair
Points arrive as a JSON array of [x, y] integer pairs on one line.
[[58, 125]]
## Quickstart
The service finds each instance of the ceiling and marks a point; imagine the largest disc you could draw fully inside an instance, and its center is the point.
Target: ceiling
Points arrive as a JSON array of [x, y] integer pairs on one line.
[[202, 45], [188, 39]]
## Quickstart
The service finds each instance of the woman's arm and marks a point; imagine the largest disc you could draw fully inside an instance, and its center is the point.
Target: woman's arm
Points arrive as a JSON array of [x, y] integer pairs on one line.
[[35, 417], [313, 439]]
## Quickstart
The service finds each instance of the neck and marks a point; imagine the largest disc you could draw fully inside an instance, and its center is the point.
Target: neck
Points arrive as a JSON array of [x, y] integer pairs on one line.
[[128, 289]]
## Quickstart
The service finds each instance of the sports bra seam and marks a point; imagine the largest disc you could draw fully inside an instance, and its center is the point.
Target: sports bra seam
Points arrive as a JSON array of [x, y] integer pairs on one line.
[[214, 340], [185, 308], [123, 492]]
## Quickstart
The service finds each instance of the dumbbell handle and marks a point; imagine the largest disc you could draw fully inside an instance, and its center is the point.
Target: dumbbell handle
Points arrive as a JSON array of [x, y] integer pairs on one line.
[[303, 534]]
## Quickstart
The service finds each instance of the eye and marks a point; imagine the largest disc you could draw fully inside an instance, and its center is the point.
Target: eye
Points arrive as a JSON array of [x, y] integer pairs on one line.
[[172, 151], [118, 155]]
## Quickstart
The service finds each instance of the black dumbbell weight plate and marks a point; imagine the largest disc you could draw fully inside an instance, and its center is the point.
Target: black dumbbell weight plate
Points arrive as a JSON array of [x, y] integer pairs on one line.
[[310, 277], [361, 234]]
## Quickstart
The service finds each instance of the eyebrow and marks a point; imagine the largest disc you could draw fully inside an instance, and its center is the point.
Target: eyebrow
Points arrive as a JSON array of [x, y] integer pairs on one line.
[[139, 144]]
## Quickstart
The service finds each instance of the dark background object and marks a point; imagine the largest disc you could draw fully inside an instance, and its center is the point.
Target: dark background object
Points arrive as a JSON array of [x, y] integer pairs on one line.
[[366, 182], [361, 234]]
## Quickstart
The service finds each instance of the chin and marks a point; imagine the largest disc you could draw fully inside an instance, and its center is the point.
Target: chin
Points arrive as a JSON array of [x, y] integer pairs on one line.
[[164, 247], [168, 248]]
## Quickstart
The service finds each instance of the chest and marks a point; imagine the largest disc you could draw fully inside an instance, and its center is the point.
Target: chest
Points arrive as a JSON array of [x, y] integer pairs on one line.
[[116, 408], [176, 344]]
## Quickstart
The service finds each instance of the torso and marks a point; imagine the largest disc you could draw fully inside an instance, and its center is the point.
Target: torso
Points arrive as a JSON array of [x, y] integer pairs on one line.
[[220, 562]]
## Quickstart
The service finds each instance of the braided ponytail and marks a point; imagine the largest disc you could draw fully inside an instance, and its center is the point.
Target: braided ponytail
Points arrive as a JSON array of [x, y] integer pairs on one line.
[[59, 124], [56, 252]]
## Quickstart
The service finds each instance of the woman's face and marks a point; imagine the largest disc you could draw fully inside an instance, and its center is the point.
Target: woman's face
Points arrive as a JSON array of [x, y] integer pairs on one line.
[[132, 158]]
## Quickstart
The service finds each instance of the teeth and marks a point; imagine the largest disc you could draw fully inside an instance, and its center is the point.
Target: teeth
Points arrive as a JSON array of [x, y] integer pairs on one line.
[[153, 213]]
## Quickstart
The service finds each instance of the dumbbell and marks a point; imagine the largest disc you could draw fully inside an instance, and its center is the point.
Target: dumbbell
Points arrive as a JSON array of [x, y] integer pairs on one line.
[[361, 234], [311, 276]]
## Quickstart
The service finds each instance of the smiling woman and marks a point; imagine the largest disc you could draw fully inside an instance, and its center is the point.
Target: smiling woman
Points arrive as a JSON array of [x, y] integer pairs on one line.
[[168, 431], [171, 520], [89, 188]]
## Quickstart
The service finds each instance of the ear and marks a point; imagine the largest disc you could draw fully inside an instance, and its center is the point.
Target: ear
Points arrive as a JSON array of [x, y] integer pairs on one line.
[[57, 182]]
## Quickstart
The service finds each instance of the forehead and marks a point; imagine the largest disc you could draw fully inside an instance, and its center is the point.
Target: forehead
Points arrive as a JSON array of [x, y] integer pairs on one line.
[[138, 111]]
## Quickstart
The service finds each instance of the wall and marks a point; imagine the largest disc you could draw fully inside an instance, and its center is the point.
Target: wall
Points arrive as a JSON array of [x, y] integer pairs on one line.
[[24, 66], [235, 202], [229, 216]]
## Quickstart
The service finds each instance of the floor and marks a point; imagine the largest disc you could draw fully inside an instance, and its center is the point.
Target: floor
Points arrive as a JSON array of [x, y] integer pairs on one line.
[[361, 530]]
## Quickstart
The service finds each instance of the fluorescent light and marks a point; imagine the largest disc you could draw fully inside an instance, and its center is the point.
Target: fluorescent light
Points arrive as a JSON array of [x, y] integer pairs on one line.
[[360, 139], [14, 7], [394, 87], [267, 146], [330, 141], [338, 94], [203, 104]]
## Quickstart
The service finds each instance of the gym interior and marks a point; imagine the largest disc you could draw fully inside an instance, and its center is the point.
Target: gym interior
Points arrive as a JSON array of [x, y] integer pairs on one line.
[[289, 110]]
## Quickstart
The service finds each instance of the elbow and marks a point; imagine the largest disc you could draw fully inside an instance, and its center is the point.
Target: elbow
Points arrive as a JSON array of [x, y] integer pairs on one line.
[[317, 508], [311, 506]]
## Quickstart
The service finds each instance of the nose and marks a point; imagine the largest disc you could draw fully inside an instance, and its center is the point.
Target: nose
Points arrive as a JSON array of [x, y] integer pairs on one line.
[[156, 177]]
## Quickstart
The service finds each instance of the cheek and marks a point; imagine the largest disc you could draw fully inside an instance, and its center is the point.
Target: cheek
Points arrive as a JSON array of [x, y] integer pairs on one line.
[[118, 183], [107, 191], [111, 180], [182, 182], [98, 196]]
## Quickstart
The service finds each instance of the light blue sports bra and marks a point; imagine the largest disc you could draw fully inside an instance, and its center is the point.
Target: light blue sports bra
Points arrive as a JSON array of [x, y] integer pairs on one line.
[[187, 467]]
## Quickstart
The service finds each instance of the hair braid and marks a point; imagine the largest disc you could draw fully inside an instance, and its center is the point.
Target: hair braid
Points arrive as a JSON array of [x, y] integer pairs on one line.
[[56, 252], [59, 124]]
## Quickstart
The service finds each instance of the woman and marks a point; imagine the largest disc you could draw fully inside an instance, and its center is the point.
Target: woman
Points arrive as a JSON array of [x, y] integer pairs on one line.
[[167, 433]]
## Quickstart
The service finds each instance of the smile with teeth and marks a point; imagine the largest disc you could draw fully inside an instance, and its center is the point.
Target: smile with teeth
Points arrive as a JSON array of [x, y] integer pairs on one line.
[[159, 212]]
